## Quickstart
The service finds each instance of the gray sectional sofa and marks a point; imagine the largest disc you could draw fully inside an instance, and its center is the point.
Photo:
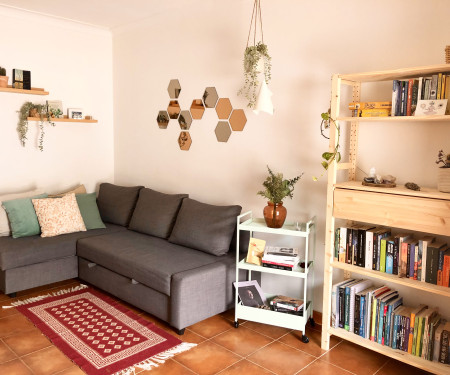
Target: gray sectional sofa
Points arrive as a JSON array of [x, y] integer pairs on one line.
[[169, 255]]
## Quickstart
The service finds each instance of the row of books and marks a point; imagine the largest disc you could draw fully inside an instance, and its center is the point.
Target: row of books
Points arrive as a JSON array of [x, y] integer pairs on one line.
[[377, 313], [376, 248]]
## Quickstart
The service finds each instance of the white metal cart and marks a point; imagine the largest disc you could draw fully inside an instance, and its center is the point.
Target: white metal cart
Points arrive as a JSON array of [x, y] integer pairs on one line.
[[303, 230]]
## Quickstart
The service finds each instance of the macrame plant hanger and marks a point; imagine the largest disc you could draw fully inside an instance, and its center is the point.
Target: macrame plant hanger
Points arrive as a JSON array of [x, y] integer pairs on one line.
[[256, 11]]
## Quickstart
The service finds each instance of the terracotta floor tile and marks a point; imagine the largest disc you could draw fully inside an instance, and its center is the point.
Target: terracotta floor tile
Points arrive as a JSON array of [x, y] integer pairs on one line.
[[229, 314], [207, 358], [27, 342], [294, 339], [281, 359], [245, 367], [242, 341], [212, 326], [40, 289], [14, 324], [7, 312], [355, 358], [47, 361], [323, 368], [169, 368], [74, 370], [5, 353], [394, 367], [15, 367], [3, 297], [266, 329]]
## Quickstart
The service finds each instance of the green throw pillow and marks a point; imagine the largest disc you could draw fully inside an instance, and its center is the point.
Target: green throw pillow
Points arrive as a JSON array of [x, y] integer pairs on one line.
[[89, 211], [22, 217]]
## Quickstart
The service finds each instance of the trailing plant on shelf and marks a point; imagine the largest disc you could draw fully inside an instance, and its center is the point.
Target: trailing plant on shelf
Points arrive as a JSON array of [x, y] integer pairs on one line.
[[37, 110], [252, 56], [328, 157]]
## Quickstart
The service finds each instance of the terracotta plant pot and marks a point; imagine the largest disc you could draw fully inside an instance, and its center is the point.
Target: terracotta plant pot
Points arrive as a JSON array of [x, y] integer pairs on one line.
[[444, 180], [275, 214], [4, 81]]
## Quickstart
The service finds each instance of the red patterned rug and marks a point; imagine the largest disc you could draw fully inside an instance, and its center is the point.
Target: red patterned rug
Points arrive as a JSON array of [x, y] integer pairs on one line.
[[99, 335]]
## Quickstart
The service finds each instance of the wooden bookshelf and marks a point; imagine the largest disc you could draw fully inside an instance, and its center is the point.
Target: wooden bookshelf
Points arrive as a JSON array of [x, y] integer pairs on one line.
[[396, 118], [63, 120], [33, 91]]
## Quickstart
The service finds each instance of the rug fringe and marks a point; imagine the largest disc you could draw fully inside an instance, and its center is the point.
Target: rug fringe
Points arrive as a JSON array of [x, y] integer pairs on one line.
[[157, 359], [40, 298]]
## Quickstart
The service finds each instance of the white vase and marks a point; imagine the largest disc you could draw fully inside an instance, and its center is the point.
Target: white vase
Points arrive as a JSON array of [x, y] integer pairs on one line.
[[444, 180]]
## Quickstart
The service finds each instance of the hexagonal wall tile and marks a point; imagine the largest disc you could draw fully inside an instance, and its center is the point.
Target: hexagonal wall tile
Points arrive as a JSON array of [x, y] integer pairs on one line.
[[197, 109], [210, 97], [223, 108], [174, 89], [238, 120], [222, 131], [184, 141], [185, 120], [162, 119], [173, 109]]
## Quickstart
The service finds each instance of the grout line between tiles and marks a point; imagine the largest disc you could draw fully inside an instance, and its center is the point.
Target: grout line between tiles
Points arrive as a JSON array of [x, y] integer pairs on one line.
[[257, 364], [376, 372], [28, 367]]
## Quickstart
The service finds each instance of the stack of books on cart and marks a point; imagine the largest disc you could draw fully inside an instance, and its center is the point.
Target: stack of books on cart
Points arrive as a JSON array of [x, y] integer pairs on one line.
[[287, 305], [283, 258]]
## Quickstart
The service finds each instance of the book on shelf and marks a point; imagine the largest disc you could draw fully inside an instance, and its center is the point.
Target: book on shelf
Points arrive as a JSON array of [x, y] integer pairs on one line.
[[381, 315], [414, 312], [444, 346], [369, 247], [446, 270], [432, 331], [423, 250], [431, 314], [383, 247], [440, 271], [361, 250], [412, 257], [343, 309], [255, 251], [369, 105], [285, 258], [353, 289], [390, 255], [335, 302], [342, 244], [389, 322], [437, 340], [288, 303], [396, 325], [377, 294], [377, 237], [432, 261]]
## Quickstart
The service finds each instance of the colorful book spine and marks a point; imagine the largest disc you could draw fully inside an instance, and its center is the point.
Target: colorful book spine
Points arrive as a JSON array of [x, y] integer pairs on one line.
[[390, 256], [395, 91], [409, 97], [383, 255]]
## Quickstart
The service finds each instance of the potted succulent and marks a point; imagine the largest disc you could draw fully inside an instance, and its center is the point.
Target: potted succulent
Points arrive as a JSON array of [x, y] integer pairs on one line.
[[29, 109], [3, 77], [443, 172], [276, 188]]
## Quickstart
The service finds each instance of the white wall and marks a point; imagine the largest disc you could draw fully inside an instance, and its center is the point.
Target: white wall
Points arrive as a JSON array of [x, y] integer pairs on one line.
[[202, 44], [74, 63]]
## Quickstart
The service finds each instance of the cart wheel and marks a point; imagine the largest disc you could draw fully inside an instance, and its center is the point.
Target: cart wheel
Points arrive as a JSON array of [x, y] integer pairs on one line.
[[305, 339], [312, 322], [236, 324]]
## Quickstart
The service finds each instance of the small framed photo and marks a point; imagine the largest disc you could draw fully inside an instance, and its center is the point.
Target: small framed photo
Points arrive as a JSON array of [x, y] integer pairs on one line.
[[250, 293], [55, 108], [75, 113]]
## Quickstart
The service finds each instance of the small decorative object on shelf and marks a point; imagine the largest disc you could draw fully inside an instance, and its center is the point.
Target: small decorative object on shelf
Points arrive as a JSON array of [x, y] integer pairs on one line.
[[29, 109], [3, 77], [55, 108], [21, 79], [412, 186], [276, 189], [75, 113], [443, 172], [255, 251]]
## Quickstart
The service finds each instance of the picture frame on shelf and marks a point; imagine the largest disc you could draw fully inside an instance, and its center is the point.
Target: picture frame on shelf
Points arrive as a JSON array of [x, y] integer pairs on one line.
[[250, 293], [55, 108], [75, 113]]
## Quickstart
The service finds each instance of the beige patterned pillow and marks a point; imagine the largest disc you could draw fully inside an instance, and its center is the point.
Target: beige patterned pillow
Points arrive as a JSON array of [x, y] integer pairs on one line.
[[80, 189], [59, 215]]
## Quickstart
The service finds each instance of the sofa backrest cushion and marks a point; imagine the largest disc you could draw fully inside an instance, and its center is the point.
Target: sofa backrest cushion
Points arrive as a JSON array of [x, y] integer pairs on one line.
[[156, 212], [89, 211], [116, 203], [205, 227]]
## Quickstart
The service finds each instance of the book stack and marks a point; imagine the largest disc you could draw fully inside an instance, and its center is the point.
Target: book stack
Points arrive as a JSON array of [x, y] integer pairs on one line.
[[370, 109], [406, 255], [283, 258], [287, 305], [377, 313]]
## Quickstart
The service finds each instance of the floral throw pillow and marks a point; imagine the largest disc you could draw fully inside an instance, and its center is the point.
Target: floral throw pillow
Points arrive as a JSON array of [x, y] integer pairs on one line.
[[58, 216]]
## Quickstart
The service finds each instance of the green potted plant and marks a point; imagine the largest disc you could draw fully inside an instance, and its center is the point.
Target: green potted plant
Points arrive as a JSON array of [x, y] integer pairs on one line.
[[3, 77], [255, 58], [29, 109], [276, 188], [443, 172]]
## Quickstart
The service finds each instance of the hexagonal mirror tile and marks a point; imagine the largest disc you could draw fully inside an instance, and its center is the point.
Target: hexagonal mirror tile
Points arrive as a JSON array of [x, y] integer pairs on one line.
[[197, 109], [184, 141], [210, 97], [174, 89], [185, 120], [223, 131], [173, 109], [162, 119], [238, 120], [223, 108]]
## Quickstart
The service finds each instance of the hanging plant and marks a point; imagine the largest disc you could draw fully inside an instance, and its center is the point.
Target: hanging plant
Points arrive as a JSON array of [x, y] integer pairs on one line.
[[255, 57], [34, 110]]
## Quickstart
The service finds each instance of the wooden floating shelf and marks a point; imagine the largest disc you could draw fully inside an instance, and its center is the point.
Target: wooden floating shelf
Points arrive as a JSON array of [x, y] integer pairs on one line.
[[396, 118], [427, 287], [434, 367], [62, 120], [33, 91]]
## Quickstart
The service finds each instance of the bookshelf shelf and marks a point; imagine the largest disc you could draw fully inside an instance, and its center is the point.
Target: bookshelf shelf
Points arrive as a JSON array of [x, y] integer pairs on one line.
[[63, 120], [421, 363], [425, 211], [33, 91], [296, 272]]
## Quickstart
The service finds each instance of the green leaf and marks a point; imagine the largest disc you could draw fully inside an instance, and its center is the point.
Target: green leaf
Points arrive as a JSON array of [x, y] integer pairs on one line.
[[338, 157], [325, 116], [325, 164], [327, 155]]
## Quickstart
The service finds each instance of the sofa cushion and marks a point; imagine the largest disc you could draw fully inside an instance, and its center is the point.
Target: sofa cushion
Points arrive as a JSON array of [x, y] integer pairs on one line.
[[205, 227], [116, 203], [89, 211], [35, 249], [22, 217], [149, 260], [155, 212], [5, 229], [80, 189]]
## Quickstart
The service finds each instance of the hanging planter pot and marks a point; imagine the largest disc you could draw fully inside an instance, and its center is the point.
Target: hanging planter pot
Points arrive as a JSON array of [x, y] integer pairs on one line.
[[444, 179]]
